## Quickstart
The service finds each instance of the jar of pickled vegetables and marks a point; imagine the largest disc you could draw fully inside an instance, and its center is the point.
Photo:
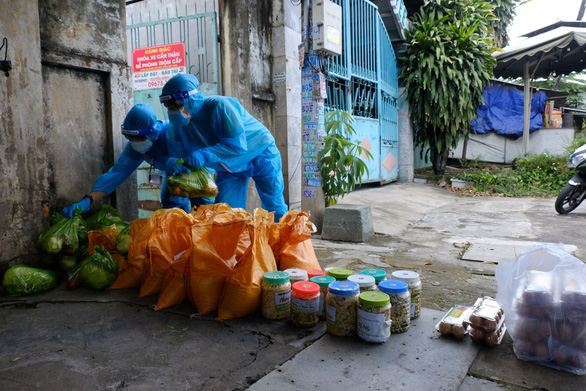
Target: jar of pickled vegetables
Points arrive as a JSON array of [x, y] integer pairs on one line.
[[275, 295]]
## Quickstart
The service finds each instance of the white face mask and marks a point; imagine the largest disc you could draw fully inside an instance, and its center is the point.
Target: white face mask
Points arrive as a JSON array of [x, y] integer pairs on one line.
[[141, 146]]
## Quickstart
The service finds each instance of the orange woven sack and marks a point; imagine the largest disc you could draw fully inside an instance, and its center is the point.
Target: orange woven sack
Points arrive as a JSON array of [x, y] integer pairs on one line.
[[130, 275], [204, 212], [170, 242], [217, 247], [107, 238], [242, 291], [290, 240], [172, 291]]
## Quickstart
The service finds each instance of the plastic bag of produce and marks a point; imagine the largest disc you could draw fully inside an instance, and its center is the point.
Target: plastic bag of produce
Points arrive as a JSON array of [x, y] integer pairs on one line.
[[217, 248], [130, 275], [123, 241], [543, 294], [172, 291], [197, 183], [290, 240], [21, 280], [242, 291], [61, 237], [170, 242], [106, 216], [98, 271], [108, 237]]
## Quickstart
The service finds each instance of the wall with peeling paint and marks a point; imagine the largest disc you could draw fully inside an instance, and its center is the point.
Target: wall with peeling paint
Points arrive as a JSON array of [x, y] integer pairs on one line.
[[62, 107]]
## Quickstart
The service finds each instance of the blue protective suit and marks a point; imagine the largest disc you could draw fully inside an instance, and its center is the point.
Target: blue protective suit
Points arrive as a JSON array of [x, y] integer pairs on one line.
[[232, 142]]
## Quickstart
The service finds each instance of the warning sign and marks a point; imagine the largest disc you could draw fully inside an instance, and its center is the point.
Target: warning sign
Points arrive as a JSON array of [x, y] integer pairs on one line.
[[153, 66]]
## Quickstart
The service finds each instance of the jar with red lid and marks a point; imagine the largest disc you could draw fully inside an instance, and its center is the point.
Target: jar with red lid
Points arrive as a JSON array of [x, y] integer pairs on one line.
[[304, 304]]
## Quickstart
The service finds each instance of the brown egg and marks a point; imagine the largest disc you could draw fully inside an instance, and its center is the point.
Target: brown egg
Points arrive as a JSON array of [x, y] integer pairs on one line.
[[459, 331], [445, 329]]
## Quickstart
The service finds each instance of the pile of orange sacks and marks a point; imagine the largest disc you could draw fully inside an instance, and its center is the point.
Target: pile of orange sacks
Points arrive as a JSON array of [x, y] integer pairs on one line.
[[215, 256]]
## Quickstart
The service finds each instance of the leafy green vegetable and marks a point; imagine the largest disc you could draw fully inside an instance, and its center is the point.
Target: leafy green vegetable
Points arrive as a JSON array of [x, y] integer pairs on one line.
[[106, 214], [60, 237], [197, 183], [97, 271], [20, 280], [123, 241], [68, 262]]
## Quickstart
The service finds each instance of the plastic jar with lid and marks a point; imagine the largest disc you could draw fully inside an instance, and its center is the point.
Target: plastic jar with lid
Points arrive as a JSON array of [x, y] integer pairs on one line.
[[373, 322], [414, 283], [304, 304], [366, 283], [398, 292], [323, 282], [314, 273], [296, 274], [341, 308], [276, 295], [340, 274], [378, 274]]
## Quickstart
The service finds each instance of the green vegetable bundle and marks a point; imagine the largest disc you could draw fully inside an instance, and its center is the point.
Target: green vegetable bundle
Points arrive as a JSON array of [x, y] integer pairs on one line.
[[97, 271], [123, 241], [106, 216], [20, 280], [197, 183], [61, 237]]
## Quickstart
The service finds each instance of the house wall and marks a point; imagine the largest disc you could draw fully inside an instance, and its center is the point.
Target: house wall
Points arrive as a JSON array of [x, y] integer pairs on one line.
[[65, 98]]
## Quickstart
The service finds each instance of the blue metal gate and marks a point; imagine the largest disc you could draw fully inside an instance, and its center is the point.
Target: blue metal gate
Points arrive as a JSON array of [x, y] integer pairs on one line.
[[199, 31], [364, 82]]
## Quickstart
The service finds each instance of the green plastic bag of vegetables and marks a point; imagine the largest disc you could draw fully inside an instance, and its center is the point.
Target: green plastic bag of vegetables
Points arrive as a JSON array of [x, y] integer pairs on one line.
[[61, 237], [97, 271], [106, 216], [21, 280], [197, 183]]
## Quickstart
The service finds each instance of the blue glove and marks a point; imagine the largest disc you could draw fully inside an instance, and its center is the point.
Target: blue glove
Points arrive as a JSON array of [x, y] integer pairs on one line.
[[68, 210], [196, 160], [174, 168]]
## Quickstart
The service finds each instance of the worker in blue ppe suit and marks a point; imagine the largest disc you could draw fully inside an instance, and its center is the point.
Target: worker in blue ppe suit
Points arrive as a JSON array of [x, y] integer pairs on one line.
[[147, 141], [218, 132]]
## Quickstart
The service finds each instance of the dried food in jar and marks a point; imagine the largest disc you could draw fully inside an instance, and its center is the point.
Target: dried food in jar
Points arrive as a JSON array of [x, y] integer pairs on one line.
[[276, 295], [339, 273], [366, 283], [398, 292], [323, 282], [378, 274], [341, 308], [414, 283], [304, 304], [296, 274], [374, 316]]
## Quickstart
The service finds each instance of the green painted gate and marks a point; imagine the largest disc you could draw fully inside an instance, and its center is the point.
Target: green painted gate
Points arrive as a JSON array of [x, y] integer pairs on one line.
[[197, 27]]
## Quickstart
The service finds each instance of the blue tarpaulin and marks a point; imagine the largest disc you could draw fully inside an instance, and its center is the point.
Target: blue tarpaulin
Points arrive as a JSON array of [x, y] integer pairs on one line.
[[502, 112]]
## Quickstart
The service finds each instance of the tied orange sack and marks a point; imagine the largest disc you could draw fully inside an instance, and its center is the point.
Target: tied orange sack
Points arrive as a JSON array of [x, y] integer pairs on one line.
[[172, 291], [130, 276], [242, 291], [218, 244], [170, 242], [290, 240], [107, 238]]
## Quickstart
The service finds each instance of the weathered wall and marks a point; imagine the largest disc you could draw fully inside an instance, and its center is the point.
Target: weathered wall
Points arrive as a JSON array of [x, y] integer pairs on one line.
[[65, 99]]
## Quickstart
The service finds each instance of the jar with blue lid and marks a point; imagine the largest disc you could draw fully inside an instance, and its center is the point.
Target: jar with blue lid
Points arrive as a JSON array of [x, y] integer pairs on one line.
[[341, 308], [378, 274], [400, 297]]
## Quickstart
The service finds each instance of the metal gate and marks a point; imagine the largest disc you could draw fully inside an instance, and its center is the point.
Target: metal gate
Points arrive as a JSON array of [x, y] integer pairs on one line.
[[196, 25], [364, 82]]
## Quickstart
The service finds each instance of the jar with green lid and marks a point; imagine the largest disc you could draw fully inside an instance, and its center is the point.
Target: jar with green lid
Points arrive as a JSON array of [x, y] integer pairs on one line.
[[373, 322], [341, 307], [398, 292], [340, 274], [378, 274], [276, 295], [304, 304], [323, 282], [366, 283], [414, 283], [296, 274]]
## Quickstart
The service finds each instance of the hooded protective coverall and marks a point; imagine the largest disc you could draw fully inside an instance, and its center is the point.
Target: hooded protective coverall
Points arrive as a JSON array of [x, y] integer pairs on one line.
[[140, 120], [222, 135]]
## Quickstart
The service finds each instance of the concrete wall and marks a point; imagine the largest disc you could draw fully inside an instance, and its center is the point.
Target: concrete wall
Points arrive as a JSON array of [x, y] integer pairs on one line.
[[63, 105]]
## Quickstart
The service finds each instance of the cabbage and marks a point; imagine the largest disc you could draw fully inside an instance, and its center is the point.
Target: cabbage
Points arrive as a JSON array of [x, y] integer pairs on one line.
[[197, 183], [20, 280], [123, 241], [68, 262], [106, 216], [97, 271]]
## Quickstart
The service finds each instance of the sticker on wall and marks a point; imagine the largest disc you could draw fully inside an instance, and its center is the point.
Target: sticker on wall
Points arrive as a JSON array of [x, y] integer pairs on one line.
[[309, 192], [389, 163], [366, 145]]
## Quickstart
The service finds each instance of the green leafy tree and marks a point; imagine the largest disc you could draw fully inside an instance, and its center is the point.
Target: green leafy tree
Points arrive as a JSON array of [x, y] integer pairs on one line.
[[446, 65], [504, 12], [340, 166]]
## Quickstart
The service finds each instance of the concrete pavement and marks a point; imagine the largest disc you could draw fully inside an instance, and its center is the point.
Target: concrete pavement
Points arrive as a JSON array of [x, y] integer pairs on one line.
[[90, 340]]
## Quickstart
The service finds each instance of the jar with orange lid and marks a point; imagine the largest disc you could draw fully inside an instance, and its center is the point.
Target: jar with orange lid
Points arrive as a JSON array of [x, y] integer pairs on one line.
[[304, 304]]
